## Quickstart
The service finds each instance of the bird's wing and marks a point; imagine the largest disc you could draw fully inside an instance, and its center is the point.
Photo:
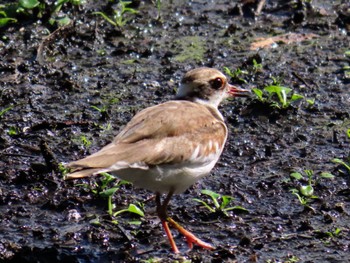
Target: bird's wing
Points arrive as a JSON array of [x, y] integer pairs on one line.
[[168, 133]]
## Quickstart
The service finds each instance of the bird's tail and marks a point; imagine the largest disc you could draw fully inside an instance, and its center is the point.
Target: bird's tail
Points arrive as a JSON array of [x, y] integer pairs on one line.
[[82, 173]]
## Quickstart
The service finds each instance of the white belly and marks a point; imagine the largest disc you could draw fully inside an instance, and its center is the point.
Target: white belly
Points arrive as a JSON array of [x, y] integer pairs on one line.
[[163, 178]]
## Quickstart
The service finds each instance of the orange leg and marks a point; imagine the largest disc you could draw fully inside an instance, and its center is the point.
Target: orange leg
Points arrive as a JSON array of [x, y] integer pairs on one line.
[[170, 237], [190, 238]]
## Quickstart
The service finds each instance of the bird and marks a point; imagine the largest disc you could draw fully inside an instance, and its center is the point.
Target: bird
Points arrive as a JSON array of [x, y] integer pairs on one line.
[[168, 147]]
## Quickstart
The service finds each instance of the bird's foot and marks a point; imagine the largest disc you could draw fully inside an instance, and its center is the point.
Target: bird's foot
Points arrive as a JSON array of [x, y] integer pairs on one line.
[[170, 237], [190, 238]]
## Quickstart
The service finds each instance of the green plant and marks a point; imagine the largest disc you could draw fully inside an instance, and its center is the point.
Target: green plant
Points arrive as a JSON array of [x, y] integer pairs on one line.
[[159, 7], [36, 9], [82, 140], [236, 74], [102, 110], [62, 169], [306, 191], [5, 16], [13, 131], [119, 18], [335, 233], [131, 209], [109, 192], [292, 259], [341, 162], [2, 112], [276, 96], [220, 203], [257, 66]]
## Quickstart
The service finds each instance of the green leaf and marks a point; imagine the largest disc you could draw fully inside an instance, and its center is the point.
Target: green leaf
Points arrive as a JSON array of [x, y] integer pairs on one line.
[[258, 93], [61, 2], [336, 160], [63, 21], [136, 210], [307, 190], [237, 207], [109, 20], [135, 222], [296, 175], [327, 175], [348, 133], [12, 131], [296, 97], [109, 192], [337, 231], [277, 89], [210, 193], [226, 199], [28, 4], [205, 204], [214, 196], [4, 22], [310, 101], [228, 72]]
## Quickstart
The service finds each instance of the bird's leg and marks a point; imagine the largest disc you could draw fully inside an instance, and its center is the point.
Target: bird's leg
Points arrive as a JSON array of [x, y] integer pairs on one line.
[[190, 238], [162, 214], [165, 219]]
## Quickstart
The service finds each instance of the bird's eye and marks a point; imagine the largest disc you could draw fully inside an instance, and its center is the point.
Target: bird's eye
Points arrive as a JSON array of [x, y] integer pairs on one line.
[[216, 83]]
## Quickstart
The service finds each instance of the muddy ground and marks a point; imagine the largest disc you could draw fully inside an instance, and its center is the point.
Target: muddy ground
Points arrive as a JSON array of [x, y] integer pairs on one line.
[[65, 92]]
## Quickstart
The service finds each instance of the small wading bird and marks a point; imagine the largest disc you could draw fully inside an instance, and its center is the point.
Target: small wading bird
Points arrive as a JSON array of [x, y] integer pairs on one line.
[[168, 147]]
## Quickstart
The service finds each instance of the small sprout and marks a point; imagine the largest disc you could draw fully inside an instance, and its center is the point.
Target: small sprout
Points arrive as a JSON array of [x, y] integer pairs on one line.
[[85, 141], [341, 162], [109, 193], [62, 169], [296, 175], [259, 93], [278, 96], [236, 75], [101, 53], [158, 4], [131, 209], [221, 207], [327, 175], [257, 66], [311, 102], [292, 259], [2, 112], [12, 131], [96, 222], [101, 110], [306, 191], [281, 93], [119, 19], [329, 234]]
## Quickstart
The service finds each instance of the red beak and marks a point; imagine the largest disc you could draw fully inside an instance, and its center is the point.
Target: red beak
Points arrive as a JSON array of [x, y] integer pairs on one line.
[[238, 92]]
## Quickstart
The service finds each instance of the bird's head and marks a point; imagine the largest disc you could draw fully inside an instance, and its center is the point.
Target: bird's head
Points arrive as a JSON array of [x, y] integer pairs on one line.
[[207, 86]]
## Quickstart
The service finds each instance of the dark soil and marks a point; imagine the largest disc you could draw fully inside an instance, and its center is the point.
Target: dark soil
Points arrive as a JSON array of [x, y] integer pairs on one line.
[[50, 78]]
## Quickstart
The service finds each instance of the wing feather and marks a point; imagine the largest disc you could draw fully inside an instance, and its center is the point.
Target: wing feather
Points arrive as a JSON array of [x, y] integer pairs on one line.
[[164, 134]]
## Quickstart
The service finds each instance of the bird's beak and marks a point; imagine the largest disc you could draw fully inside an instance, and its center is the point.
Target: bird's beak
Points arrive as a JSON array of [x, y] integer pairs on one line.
[[237, 92]]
